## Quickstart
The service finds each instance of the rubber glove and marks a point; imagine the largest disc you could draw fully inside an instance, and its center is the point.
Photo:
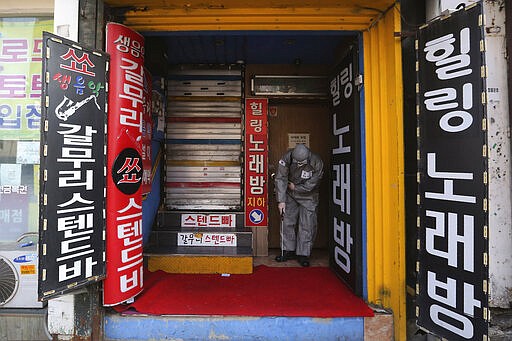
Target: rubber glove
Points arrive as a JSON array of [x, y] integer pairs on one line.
[[281, 206]]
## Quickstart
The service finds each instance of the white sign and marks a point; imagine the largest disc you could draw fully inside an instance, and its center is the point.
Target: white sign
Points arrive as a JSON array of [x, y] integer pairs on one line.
[[208, 220], [206, 239], [10, 174], [27, 152], [296, 138]]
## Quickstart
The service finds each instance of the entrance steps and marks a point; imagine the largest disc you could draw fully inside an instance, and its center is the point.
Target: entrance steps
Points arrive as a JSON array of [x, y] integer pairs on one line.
[[272, 328], [175, 248]]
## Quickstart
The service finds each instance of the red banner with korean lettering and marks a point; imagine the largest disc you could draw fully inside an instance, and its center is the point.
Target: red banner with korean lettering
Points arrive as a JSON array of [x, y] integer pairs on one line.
[[256, 159], [124, 165]]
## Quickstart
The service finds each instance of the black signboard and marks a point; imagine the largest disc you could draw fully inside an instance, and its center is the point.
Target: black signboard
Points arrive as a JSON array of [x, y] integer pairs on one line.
[[345, 209], [72, 178], [452, 290]]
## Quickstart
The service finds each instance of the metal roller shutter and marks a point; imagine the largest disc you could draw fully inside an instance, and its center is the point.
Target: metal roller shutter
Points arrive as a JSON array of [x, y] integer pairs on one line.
[[204, 138]]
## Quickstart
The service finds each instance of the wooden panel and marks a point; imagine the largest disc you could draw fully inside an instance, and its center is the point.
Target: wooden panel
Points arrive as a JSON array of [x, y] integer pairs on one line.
[[260, 241]]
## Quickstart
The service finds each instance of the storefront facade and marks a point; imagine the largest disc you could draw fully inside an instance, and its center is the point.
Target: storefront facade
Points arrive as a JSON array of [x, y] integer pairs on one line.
[[381, 104], [375, 26]]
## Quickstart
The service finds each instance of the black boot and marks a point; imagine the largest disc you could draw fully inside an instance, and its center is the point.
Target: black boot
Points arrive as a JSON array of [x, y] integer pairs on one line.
[[303, 260], [285, 255]]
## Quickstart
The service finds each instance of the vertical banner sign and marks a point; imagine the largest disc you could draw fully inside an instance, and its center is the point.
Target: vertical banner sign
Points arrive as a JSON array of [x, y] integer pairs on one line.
[[124, 165], [256, 158], [345, 235], [72, 207], [452, 289]]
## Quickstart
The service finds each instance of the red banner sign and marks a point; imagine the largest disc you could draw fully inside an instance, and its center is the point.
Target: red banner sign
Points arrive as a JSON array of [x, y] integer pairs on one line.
[[124, 165], [256, 159]]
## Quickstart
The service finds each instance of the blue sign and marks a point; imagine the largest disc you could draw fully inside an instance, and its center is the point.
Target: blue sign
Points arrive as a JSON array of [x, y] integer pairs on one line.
[[256, 216], [25, 258]]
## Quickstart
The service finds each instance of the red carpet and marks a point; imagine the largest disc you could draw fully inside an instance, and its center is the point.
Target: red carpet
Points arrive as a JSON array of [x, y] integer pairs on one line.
[[269, 291]]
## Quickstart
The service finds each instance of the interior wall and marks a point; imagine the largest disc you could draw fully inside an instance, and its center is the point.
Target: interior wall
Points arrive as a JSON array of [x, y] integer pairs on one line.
[[294, 115]]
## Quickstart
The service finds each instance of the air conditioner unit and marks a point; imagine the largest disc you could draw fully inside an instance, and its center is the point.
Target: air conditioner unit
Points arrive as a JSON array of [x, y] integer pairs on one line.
[[18, 276]]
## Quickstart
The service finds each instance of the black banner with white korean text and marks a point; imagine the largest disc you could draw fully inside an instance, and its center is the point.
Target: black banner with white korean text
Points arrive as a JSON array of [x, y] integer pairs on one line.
[[452, 290], [345, 231], [72, 177]]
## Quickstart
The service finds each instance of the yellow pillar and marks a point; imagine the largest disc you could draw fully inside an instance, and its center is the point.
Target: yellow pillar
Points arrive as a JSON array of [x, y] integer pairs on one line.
[[385, 168]]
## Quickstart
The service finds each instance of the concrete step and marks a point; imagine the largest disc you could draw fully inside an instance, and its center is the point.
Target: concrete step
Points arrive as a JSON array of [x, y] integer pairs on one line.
[[122, 327]]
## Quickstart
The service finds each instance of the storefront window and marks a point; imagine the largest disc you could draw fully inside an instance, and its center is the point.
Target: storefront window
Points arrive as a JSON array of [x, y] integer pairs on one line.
[[20, 113]]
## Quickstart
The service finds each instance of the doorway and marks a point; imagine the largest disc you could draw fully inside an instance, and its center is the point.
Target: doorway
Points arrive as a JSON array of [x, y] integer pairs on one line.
[[307, 116], [383, 112], [300, 119], [287, 120]]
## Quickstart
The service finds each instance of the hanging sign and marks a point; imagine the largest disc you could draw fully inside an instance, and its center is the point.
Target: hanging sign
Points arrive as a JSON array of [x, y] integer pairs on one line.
[[124, 165], [345, 235], [452, 290], [72, 207], [256, 158]]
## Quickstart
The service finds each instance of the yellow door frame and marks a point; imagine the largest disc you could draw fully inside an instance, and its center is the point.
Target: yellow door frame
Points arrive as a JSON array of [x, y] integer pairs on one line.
[[383, 108]]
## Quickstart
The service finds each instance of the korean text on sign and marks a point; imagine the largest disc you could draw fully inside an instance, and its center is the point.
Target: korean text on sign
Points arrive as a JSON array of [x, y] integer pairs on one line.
[[124, 197], [72, 168], [452, 191], [256, 156]]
